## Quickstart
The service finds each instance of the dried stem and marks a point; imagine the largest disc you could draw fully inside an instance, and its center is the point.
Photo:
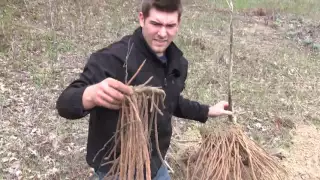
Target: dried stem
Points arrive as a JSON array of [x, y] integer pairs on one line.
[[231, 119], [134, 76]]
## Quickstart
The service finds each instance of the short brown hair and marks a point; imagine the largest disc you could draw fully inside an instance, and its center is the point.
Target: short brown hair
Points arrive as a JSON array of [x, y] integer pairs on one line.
[[161, 5]]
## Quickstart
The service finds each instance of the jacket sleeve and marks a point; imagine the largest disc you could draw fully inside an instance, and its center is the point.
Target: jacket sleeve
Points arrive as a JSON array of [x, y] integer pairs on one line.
[[99, 66], [193, 110], [189, 109]]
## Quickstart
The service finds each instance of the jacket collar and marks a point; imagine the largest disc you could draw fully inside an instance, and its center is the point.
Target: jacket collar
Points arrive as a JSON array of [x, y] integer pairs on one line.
[[173, 53]]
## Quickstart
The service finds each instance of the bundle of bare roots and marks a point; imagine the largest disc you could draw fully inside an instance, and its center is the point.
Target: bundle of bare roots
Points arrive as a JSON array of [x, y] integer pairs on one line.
[[228, 154], [130, 155]]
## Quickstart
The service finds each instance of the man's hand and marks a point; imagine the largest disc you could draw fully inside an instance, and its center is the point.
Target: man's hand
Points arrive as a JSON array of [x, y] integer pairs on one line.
[[109, 94], [219, 109]]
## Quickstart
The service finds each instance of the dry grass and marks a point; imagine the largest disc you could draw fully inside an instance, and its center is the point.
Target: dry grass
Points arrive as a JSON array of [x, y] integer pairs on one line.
[[44, 45]]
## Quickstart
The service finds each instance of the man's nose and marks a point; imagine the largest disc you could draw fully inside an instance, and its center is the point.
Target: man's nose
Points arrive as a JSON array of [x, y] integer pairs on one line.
[[163, 32]]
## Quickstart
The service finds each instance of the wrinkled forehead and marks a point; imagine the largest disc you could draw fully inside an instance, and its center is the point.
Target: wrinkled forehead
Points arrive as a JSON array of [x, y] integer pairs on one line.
[[163, 17]]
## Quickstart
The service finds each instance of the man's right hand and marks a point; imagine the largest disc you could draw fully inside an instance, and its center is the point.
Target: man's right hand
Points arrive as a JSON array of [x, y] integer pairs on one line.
[[109, 93]]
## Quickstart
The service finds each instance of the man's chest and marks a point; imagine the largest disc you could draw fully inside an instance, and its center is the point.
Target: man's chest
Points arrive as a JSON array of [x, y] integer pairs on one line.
[[158, 76]]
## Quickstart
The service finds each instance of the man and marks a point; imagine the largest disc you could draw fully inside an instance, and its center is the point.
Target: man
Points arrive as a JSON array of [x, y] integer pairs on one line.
[[101, 87]]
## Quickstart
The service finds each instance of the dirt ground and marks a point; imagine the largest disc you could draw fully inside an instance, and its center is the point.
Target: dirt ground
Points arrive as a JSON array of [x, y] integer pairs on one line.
[[303, 158], [43, 47]]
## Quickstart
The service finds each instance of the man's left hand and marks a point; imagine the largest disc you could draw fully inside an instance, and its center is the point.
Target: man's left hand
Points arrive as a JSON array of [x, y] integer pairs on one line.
[[219, 109]]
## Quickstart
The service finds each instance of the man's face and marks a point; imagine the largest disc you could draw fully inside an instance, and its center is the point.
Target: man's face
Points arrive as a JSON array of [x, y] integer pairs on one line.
[[159, 29]]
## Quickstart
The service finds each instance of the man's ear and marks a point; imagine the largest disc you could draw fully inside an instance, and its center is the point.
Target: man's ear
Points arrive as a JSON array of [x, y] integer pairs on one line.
[[141, 19]]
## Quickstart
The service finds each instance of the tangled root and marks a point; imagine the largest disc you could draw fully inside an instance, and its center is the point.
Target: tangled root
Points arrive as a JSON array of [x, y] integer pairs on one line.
[[130, 156], [231, 155]]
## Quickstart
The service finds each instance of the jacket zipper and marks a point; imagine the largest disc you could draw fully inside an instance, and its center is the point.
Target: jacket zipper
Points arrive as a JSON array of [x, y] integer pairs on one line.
[[165, 74]]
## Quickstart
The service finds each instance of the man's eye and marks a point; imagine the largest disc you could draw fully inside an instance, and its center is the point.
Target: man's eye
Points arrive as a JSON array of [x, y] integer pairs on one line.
[[171, 26]]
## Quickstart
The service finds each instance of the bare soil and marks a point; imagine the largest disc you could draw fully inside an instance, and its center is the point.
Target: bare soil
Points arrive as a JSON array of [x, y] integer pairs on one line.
[[44, 46], [303, 161]]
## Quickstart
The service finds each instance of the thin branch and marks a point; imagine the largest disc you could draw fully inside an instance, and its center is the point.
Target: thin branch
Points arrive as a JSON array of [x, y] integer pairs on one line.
[[169, 167], [127, 58], [135, 74], [231, 118]]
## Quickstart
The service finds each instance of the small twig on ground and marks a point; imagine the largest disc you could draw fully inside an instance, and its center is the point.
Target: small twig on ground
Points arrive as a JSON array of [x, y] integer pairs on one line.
[[170, 169]]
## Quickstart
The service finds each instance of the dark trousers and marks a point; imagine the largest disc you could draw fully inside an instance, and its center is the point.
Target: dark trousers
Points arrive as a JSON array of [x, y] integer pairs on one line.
[[162, 174]]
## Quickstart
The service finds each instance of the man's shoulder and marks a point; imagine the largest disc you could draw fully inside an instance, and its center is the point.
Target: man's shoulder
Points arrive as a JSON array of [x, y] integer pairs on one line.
[[117, 48], [111, 55], [184, 62], [182, 59]]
